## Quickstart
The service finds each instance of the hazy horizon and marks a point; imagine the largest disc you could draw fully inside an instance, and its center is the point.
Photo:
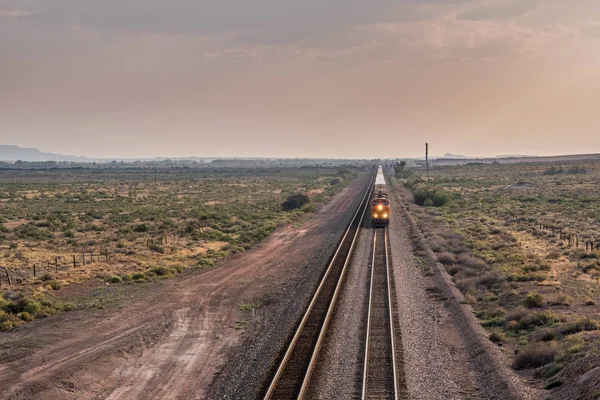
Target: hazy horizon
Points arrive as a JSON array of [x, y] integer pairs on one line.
[[350, 79]]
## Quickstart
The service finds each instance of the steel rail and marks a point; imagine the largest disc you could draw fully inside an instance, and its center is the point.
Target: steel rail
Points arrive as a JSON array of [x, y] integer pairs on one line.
[[355, 223], [382, 369]]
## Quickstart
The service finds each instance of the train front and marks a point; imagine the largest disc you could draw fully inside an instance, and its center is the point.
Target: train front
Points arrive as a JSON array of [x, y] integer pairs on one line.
[[380, 204]]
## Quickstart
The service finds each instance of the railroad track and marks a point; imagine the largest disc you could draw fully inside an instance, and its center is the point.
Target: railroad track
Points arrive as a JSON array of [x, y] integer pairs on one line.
[[381, 375], [293, 374]]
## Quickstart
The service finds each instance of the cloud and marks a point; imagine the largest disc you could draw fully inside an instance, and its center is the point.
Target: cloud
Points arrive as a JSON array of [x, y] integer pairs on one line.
[[14, 14], [500, 11]]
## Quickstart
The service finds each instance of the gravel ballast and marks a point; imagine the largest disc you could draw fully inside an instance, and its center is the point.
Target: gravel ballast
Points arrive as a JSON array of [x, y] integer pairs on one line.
[[339, 370]]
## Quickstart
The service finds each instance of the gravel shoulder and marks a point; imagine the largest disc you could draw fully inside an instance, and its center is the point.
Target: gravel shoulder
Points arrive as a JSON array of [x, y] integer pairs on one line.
[[435, 360], [173, 338], [466, 359]]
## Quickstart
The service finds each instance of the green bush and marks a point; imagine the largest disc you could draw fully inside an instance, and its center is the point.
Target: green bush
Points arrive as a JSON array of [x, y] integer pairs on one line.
[[54, 284], [295, 201], [141, 228], [25, 316], [534, 299], [116, 279], [429, 196], [206, 263], [137, 276], [6, 326]]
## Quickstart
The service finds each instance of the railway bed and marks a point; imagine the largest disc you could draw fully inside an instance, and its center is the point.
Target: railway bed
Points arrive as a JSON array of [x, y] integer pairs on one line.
[[383, 376]]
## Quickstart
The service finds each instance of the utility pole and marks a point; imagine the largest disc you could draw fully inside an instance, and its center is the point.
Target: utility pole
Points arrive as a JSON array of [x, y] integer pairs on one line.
[[427, 159], [317, 172]]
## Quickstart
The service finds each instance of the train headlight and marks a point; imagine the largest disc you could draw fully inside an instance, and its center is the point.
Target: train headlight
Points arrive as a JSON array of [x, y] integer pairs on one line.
[[380, 207], [374, 215], [385, 215]]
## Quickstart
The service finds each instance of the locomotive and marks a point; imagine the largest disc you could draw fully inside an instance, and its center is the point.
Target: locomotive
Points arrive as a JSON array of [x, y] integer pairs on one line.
[[380, 204]]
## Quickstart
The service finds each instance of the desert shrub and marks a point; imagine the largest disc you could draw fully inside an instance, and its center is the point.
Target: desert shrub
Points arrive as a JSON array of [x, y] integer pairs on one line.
[[157, 248], [47, 277], [582, 324], [546, 335], [137, 276], [6, 326], [295, 201], [162, 271], [497, 321], [437, 244], [180, 268], [523, 319], [534, 356], [125, 277], [534, 299], [590, 302], [116, 279], [25, 316], [496, 337], [489, 280], [54, 284], [429, 195], [23, 304], [335, 181], [446, 258], [141, 228], [206, 263], [548, 371], [471, 261], [561, 300], [308, 208]]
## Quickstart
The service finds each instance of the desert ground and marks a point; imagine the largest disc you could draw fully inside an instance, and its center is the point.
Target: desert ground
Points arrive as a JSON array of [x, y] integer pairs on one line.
[[193, 285]]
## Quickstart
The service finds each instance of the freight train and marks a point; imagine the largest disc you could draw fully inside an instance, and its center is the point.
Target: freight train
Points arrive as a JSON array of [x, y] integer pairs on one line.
[[380, 204]]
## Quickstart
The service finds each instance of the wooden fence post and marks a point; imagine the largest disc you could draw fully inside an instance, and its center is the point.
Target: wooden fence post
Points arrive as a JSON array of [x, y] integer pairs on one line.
[[74, 262], [8, 276], [83, 258], [34, 274]]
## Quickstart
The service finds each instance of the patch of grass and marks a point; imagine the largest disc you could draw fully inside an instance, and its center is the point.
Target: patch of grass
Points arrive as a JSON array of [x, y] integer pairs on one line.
[[548, 371], [249, 306]]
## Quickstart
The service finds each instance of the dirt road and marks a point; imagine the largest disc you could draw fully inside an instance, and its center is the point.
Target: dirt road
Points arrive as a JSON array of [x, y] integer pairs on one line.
[[172, 337]]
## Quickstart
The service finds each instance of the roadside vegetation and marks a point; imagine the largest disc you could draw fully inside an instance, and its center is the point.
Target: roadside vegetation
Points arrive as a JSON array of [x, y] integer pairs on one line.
[[126, 224], [521, 243]]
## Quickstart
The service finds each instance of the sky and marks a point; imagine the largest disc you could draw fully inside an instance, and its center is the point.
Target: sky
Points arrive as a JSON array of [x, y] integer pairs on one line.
[[310, 78]]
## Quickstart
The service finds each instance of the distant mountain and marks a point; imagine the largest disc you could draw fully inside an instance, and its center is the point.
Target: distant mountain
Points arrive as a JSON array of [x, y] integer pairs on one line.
[[15, 153], [450, 155], [514, 156]]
